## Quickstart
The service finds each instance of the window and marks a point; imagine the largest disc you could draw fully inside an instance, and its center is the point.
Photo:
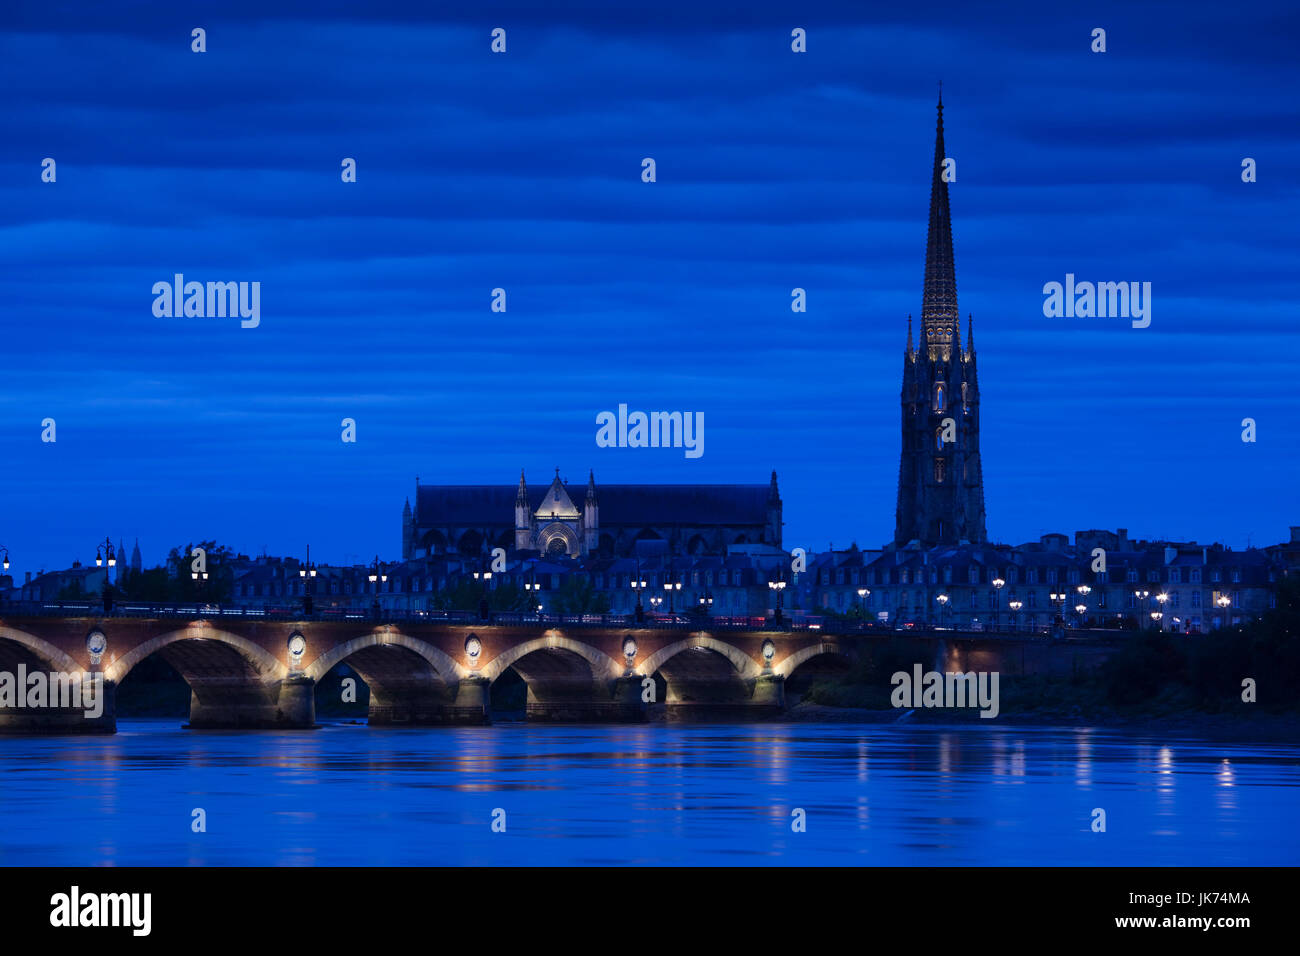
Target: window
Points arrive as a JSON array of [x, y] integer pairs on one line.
[[947, 574], [974, 575], [1214, 576], [1236, 575], [1195, 575], [1051, 575], [1175, 576], [1031, 576], [1132, 575], [1196, 599], [939, 397]]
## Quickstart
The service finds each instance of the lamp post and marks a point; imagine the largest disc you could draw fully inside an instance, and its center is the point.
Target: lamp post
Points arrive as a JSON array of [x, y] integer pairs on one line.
[[1058, 598], [6, 558], [655, 601], [706, 602], [638, 587], [1142, 597], [377, 575], [672, 587], [308, 574], [1223, 602], [1162, 597], [1079, 609], [998, 585], [102, 550], [1015, 613], [862, 604], [779, 587], [484, 576], [943, 606], [1156, 617], [533, 587]]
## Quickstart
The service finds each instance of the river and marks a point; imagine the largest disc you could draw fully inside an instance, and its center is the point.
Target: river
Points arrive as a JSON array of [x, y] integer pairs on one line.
[[658, 794]]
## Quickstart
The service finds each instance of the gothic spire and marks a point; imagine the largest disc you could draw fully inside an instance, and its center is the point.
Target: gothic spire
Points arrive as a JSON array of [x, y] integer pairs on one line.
[[591, 485], [909, 334], [522, 496], [939, 301]]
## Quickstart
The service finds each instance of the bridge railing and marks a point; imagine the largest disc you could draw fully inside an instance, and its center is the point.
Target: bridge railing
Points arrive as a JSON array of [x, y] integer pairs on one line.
[[682, 621]]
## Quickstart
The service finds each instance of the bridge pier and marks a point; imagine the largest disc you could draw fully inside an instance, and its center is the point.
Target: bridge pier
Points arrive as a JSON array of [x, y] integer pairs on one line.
[[42, 721], [283, 705]]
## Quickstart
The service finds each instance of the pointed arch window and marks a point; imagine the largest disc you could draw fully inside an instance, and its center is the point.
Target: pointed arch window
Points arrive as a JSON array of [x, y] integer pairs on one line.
[[939, 397]]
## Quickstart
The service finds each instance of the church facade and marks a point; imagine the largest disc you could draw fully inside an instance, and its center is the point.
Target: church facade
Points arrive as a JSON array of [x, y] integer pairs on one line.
[[940, 476], [612, 521]]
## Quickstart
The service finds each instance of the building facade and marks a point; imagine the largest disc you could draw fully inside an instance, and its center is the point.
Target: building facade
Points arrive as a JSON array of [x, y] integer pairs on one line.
[[610, 521]]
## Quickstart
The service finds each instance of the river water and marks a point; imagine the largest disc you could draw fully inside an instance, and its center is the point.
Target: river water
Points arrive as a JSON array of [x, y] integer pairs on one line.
[[346, 794]]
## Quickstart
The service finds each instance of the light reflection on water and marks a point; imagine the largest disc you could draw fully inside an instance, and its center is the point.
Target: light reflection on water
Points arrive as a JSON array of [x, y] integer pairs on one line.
[[645, 794]]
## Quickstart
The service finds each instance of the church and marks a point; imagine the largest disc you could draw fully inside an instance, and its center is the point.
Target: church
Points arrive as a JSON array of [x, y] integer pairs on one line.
[[940, 478], [610, 521]]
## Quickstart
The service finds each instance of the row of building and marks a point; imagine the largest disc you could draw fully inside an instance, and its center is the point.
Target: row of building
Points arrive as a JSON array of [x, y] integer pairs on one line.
[[1101, 579]]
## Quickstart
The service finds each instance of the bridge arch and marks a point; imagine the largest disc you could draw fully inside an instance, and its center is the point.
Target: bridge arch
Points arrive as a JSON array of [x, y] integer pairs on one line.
[[602, 665], [745, 666], [792, 662], [47, 653], [441, 662], [263, 664]]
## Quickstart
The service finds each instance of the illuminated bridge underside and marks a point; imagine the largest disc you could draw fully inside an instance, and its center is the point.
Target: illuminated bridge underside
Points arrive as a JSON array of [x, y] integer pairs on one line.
[[245, 676]]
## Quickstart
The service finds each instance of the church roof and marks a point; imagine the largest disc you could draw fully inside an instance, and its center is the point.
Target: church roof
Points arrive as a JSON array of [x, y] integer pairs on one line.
[[465, 505]]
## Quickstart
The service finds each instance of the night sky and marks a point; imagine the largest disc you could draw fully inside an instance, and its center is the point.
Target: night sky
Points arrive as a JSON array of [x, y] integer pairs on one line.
[[775, 170]]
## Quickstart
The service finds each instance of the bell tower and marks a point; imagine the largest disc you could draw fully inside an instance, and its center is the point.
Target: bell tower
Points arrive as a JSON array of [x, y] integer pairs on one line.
[[940, 479]]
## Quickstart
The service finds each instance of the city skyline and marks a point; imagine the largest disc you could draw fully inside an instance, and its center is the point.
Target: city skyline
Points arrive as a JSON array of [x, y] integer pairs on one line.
[[776, 171]]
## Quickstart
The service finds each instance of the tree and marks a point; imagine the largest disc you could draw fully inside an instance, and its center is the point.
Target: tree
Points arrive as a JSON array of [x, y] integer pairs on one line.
[[577, 596], [220, 584]]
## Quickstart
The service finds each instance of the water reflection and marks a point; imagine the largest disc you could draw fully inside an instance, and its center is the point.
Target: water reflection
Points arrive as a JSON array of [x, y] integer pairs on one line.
[[644, 794]]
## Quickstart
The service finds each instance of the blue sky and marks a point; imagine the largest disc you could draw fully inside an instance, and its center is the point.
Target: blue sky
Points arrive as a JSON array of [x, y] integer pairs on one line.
[[522, 171]]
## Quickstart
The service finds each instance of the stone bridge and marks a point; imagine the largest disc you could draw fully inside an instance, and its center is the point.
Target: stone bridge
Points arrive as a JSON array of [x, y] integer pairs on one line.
[[263, 674]]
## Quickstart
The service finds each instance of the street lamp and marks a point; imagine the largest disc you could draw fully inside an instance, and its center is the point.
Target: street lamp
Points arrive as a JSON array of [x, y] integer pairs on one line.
[[1162, 597], [1058, 598], [100, 551], [655, 601], [862, 603], [307, 572], [1155, 618], [706, 602], [1079, 609], [6, 560], [779, 587], [107, 591], [1142, 596], [377, 574], [485, 576], [943, 606], [672, 587], [1015, 613], [998, 585], [638, 588]]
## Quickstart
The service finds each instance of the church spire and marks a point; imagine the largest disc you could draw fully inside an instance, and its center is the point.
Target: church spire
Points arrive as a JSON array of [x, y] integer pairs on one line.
[[522, 495], [909, 335], [939, 301]]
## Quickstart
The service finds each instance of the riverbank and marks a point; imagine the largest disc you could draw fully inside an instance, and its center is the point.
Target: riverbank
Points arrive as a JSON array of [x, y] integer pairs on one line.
[[1239, 727]]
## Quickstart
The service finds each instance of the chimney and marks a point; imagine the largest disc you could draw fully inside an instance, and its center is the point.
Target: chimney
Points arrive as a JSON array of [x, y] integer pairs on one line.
[[1123, 539], [29, 577], [1295, 534]]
